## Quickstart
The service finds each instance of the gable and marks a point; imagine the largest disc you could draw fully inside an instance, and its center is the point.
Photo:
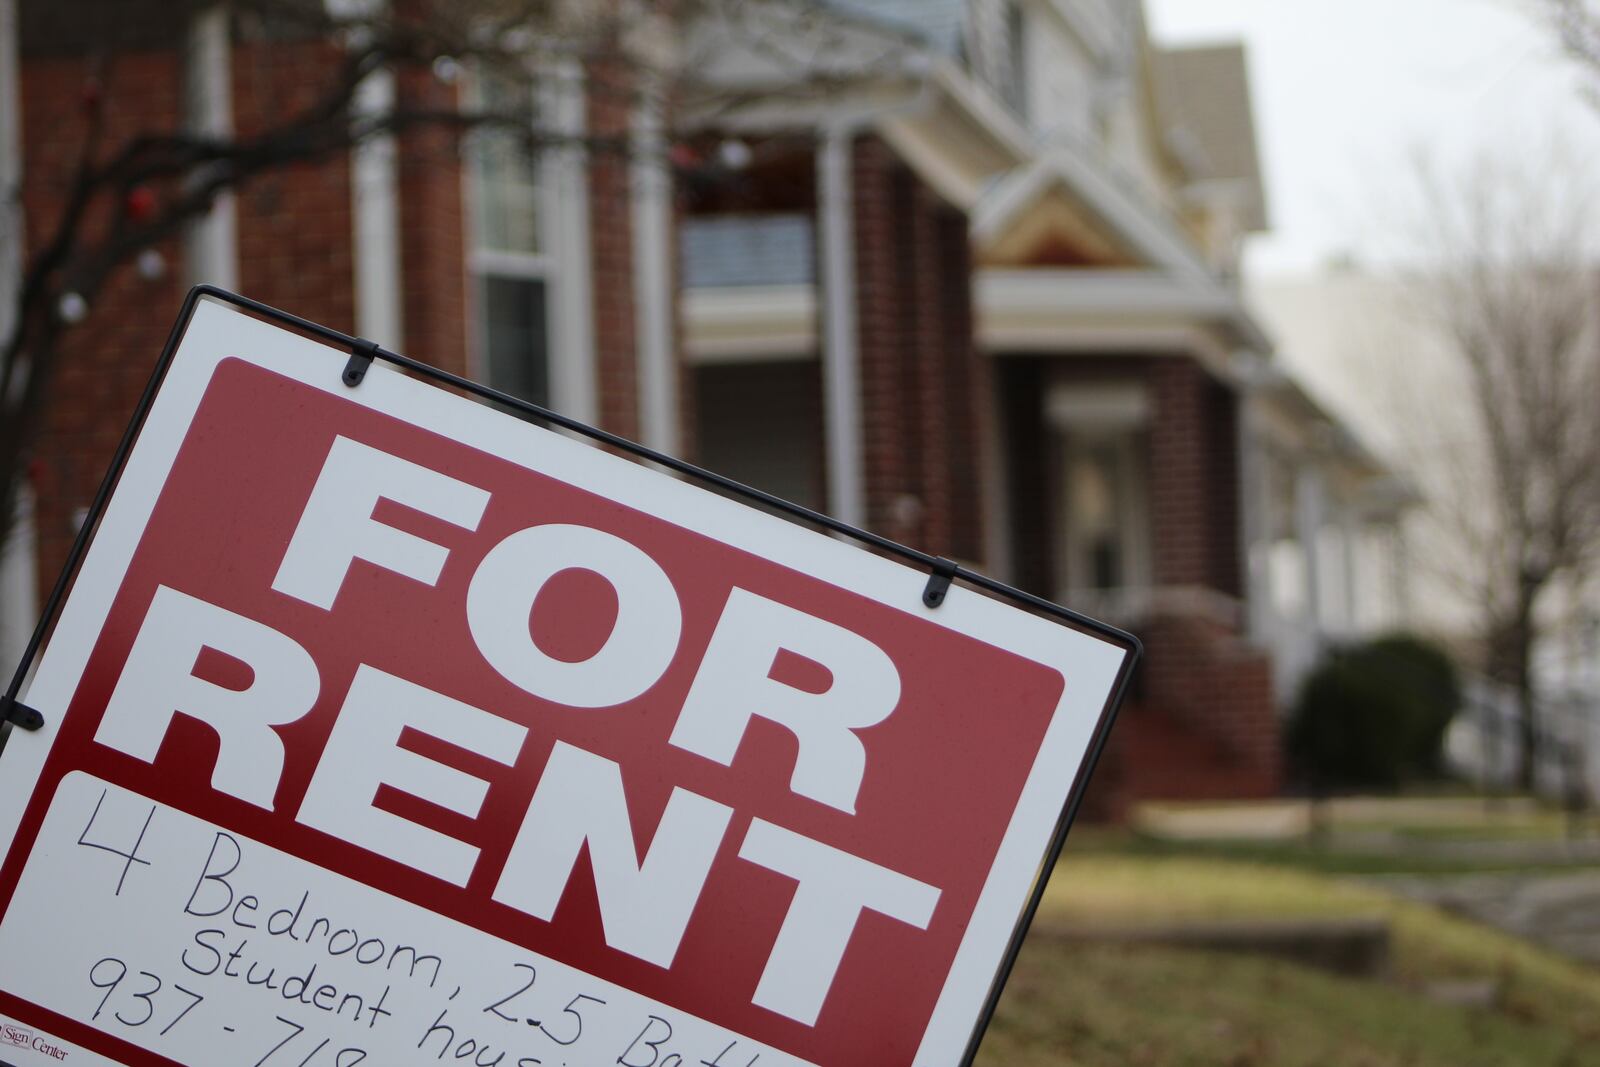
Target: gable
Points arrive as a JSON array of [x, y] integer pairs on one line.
[[1055, 232]]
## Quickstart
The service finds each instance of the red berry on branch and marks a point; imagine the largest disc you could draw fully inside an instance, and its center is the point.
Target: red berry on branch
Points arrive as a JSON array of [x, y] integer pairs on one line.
[[91, 94], [683, 157], [139, 203]]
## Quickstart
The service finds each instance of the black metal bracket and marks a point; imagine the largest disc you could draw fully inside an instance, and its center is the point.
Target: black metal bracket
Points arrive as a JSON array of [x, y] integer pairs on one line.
[[19, 714], [362, 353], [944, 570]]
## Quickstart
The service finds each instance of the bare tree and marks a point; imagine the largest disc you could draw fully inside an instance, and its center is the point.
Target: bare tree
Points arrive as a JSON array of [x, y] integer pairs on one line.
[[1577, 27], [128, 193], [1507, 290]]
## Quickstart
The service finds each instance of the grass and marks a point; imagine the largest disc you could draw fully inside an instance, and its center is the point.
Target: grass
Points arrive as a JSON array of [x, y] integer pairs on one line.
[[1086, 1006], [1355, 849], [1108, 1007]]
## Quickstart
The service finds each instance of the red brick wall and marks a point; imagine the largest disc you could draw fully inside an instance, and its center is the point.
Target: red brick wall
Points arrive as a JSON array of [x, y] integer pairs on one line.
[[1201, 723], [1194, 485], [918, 361], [105, 361], [295, 238], [1214, 682], [434, 286]]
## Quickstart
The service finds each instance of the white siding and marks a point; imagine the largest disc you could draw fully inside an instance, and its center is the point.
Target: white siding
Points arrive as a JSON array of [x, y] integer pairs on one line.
[[1061, 93]]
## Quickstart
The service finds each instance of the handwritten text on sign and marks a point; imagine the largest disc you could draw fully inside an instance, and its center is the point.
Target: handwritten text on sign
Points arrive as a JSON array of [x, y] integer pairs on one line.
[[573, 712], [209, 948]]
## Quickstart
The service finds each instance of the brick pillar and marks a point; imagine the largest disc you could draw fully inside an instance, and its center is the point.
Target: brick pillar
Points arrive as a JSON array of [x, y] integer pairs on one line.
[[294, 223], [878, 320], [433, 274], [1194, 485], [609, 113], [1177, 474], [917, 359]]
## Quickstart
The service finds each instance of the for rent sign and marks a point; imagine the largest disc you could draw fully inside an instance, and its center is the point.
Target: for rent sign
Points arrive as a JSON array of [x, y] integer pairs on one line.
[[385, 728]]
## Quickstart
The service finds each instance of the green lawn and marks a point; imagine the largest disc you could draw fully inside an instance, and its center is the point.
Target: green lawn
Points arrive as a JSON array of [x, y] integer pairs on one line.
[[1108, 1007], [1089, 1006], [1368, 847]]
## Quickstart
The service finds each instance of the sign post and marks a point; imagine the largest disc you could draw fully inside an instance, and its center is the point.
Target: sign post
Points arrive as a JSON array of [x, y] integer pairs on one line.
[[384, 727]]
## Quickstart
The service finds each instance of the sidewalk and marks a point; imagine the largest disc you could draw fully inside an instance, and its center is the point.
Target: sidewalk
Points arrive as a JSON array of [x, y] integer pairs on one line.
[[1558, 911], [1554, 901]]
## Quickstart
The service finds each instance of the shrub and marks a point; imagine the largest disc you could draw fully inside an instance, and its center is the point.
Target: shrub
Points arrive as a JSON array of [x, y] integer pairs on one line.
[[1375, 714]]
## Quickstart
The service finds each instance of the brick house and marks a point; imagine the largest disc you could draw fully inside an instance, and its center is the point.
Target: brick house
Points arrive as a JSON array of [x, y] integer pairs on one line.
[[978, 296]]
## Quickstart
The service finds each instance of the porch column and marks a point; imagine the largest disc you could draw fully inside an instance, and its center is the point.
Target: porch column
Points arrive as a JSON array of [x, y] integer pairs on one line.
[[1309, 511], [1400, 572], [211, 248], [1254, 502], [653, 277], [375, 221], [1349, 546], [841, 358]]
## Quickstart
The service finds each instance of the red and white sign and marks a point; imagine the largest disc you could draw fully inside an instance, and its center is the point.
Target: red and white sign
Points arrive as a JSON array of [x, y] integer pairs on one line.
[[385, 728]]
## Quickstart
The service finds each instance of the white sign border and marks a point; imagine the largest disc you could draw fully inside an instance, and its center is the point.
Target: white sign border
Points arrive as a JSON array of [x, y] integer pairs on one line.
[[218, 330]]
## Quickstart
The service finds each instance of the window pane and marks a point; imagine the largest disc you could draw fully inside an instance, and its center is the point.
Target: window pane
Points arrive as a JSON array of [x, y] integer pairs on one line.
[[1096, 500], [1103, 546], [761, 424], [505, 178], [516, 337]]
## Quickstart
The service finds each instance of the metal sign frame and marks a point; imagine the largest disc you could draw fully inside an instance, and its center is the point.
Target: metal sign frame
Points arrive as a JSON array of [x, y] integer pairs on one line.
[[362, 353]]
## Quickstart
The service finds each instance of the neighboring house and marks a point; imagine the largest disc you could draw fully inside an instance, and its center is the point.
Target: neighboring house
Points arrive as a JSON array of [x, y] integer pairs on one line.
[[1118, 437], [975, 294]]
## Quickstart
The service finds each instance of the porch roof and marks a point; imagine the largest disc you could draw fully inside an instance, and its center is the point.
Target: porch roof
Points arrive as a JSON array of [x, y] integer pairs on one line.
[[838, 67], [1139, 309], [1294, 418]]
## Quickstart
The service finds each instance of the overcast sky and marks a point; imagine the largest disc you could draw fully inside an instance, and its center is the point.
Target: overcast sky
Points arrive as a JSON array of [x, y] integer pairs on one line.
[[1345, 89]]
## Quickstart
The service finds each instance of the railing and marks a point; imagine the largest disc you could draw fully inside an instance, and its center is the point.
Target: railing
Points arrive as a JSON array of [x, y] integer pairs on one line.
[[724, 251]]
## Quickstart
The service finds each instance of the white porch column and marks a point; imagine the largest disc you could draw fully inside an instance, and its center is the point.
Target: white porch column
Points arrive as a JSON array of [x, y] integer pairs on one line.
[[375, 215], [574, 378], [1400, 573], [1254, 500], [1350, 559], [1310, 509], [841, 358], [653, 279], [211, 246]]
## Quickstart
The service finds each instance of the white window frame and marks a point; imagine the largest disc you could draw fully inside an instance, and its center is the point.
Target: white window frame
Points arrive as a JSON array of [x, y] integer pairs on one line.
[[1118, 414], [564, 263]]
